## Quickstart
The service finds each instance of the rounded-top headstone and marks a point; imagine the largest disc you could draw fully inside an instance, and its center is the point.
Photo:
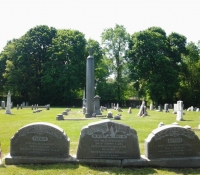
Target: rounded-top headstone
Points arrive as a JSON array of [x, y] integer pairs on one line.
[[40, 139]]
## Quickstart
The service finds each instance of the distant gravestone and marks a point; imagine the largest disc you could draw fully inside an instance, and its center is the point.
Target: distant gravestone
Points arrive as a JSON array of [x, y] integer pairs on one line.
[[151, 107], [129, 110], [97, 105], [3, 105], [171, 141], [108, 140], [59, 117], [109, 115], [175, 109], [179, 116], [166, 107], [8, 104], [38, 142]]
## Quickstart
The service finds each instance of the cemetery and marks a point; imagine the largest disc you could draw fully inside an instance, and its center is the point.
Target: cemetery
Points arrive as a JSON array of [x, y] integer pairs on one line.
[[77, 142], [152, 137]]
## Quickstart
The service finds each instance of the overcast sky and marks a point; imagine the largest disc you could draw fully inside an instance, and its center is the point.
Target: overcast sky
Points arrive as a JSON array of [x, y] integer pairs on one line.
[[91, 17]]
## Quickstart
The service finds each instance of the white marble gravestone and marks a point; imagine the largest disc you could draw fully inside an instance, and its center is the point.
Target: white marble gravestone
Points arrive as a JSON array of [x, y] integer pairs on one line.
[[179, 111], [8, 104]]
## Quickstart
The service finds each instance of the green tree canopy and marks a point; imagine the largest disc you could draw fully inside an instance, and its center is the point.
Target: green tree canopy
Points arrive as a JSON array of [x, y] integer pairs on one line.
[[154, 63], [115, 44]]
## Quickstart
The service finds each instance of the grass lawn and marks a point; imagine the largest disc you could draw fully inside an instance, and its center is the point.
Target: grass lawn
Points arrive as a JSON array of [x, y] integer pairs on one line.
[[10, 124]]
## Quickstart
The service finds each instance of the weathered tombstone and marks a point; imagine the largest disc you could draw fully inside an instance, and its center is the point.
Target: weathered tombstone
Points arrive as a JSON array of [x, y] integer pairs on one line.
[[97, 105], [84, 109], [108, 140], [151, 106], [64, 113], [117, 117], [17, 106], [166, 108], [48, 107], [109, 115], [192, 108], [111, 105], [175, 109], [59, 117], [159, 108], [142, 112], [3, 105], [38, 143], [8, 104], [179, 116], [21, 106], [171, 141], [129, 110], [197, 110]]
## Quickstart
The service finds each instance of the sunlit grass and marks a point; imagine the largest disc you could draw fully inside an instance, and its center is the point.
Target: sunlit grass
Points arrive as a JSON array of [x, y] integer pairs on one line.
[[10, 124]]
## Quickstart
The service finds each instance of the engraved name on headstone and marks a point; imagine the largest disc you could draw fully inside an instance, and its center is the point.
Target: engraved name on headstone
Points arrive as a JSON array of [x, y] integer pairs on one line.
[[171, 141], [108, 140], [40, 140]]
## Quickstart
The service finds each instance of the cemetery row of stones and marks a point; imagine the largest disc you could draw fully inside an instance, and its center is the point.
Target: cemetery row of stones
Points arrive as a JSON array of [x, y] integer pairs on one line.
[[105, 143]]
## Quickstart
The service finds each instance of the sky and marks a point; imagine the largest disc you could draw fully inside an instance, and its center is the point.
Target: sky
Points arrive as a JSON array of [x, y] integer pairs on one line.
[[92, 17]]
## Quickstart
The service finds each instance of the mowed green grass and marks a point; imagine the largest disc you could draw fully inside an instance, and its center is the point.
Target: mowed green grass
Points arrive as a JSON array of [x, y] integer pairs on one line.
[[10, 124]]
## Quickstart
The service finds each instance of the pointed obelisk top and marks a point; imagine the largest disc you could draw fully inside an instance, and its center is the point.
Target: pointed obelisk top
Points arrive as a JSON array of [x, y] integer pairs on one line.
[[90, 51]]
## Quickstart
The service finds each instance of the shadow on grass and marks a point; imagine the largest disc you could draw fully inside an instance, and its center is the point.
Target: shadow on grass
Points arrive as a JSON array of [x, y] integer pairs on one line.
[[50, 166]]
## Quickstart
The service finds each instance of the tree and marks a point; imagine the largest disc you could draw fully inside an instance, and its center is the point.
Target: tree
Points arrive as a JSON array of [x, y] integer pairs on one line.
[[115, 43], [190, 75], [26, 56], [154, 61], [64, 72]]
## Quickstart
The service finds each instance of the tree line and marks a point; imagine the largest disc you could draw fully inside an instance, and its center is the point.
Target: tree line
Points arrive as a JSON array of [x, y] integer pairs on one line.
[[47, 65]]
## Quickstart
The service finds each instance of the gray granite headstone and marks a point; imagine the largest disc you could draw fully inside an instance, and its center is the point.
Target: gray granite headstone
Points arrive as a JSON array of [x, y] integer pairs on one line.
[[108, 140], [171, 141], [3, 105], [38, 140]]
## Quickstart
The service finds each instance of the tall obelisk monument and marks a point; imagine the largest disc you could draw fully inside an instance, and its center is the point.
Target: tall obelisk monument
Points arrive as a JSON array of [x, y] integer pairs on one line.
[[89, 85]]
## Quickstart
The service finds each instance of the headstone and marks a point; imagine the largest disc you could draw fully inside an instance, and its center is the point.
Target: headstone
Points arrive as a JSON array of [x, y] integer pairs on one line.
[[175, 109], [17, 106], [197, 110], [151, 107], [21, 106], [3, 105], [117, 117], [97, 105], [159, 109], [48, 107], [64, 113], [109, 115], [60, 117], [108, 140], [171, 141], [179, 116], [192, 108], [142, 112], [38, 143], [166, 108], [84, 110], [129, 110], [8, 104]]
